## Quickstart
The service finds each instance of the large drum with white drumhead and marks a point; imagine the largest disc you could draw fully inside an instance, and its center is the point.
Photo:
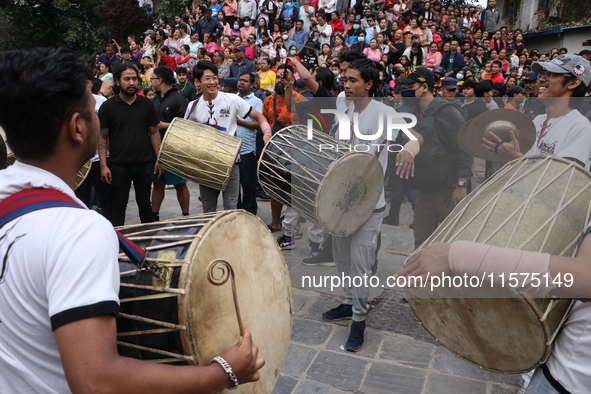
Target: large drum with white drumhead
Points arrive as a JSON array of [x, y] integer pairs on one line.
[[536, 203], [331, 187], [172, 312]]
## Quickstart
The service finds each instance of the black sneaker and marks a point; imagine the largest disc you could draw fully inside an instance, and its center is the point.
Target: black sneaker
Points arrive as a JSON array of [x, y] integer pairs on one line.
[[393, 219], [285, 242], [262, 196], [341, 312], [322, 257], [155, 217], [355, 341]]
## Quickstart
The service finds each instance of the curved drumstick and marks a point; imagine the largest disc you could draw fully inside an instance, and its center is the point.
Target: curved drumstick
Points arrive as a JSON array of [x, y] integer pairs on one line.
[[226, 271]]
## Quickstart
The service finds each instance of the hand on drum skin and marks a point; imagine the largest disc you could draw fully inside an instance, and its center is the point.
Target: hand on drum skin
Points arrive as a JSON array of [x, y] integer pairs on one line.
[[405, 164], [266, 138], [433, 259], [243, 359], [459, 194], [507, 149], [106, 175]]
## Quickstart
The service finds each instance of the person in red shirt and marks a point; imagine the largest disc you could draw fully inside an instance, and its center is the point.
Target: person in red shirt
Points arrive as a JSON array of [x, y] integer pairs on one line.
[[337, 24], [496, 76], [163, 53], [516, 97]]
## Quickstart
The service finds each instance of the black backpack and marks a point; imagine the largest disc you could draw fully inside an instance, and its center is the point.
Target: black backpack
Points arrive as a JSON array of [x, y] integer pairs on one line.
[[435, 165]]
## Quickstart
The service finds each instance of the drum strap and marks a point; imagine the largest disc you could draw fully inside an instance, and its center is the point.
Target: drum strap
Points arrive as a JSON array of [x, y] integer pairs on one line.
[[193, 108], [553, 382], [31, 200]]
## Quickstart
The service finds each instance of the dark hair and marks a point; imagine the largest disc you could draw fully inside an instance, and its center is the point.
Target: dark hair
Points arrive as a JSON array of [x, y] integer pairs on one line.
[[58, 80], [164, 18], [179, 70], [182, 26], [125, 49], [579, 91], [286, 67], [202, 51], [96, 85], [107, 63], [499, 63], [482, 87], [221, 54], [325, 76], [187, 47], [368, 71], [252, 79], [201, 67], [164, 48], [351, 56], [418, 56], [469, 83], [120, 68], [165, 73]]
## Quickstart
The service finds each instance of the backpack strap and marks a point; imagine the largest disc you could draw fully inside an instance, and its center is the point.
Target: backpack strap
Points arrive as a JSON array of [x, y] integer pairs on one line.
[[31, 200]]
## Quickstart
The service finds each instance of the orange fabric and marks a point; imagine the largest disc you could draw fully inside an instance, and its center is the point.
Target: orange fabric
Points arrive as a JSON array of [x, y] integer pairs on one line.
[[285, 116]]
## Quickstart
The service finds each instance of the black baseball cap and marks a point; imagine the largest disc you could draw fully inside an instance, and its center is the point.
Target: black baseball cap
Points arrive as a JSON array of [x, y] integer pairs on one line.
[[530, 77], [419, 74], [513, 90]]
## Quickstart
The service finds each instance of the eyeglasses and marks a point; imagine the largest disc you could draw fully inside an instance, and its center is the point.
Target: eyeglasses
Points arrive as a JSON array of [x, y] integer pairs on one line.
[[546, 74]]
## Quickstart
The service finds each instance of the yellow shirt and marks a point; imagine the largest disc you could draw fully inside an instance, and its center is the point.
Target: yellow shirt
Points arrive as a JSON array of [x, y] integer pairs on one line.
[[268, 80]]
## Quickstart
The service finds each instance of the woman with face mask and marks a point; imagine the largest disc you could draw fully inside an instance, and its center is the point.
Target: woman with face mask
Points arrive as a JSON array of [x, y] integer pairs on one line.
[[289, 14], [247, 28], [353, 35]]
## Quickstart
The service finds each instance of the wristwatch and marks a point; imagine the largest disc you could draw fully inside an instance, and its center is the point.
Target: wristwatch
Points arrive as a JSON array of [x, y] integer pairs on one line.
[[461, 183]]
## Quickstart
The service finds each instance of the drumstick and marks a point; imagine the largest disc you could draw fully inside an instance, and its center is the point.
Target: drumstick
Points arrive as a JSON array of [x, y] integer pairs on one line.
[[227, 271]]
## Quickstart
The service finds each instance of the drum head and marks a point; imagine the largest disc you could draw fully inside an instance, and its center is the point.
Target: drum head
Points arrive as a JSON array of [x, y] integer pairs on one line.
[[83, 173], [507, 339], [349, 193], [263, 287]]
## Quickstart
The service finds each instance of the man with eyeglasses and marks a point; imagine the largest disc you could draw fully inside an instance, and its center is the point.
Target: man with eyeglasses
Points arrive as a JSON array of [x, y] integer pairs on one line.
[[563, 131], [221, 111]]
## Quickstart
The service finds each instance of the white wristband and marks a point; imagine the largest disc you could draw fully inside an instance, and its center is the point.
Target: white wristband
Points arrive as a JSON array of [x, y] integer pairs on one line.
[[228, 370]]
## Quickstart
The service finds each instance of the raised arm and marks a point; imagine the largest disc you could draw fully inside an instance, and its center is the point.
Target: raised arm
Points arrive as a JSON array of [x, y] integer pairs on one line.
[[305, 75]]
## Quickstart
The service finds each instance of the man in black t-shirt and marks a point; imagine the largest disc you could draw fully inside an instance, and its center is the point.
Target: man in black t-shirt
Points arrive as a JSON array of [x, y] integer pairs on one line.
[[129, 131], [169, 104]]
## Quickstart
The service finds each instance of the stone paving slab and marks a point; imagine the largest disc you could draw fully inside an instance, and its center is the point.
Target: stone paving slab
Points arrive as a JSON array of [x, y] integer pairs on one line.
[[298, 360], [339, 370], [310, 332], [393, 379], [448, 363], [311, 387], [406, 351], [439, 384]]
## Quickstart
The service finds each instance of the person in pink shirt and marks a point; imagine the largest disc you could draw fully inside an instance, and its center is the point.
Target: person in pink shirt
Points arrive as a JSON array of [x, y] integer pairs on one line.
[[210, 46], [373, 53], [433, 57]]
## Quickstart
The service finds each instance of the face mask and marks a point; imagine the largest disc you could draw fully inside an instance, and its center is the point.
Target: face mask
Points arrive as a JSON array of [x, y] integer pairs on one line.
[[246, 24], [335, 72], [285, 37], [459, 76], [361, 39], [236, 27], [292, 52], [279, 88], [355, 27], [408, 93]]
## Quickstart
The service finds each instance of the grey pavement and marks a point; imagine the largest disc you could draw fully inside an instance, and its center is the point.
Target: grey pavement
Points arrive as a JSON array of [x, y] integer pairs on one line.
[[398, 355]]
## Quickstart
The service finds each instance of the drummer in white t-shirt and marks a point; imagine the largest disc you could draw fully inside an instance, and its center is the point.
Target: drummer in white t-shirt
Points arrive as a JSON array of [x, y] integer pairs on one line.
[[220, 110], [562, 132]]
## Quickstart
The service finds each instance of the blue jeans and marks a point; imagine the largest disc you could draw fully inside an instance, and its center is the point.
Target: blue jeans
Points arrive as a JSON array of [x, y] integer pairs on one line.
[[539, 384]]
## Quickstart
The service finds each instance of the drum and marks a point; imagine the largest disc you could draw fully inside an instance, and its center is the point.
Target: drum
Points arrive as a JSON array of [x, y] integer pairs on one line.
[[199, 153], [536, 203], [7, 158], [332, 188], [83, 173], [179, 313]]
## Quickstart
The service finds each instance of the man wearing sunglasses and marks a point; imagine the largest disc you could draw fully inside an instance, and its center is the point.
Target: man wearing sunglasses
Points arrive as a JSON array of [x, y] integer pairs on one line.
[[563, 131]]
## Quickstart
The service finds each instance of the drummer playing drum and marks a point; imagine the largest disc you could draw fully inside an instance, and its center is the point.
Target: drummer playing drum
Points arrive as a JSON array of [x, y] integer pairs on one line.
[[220, 110], [59, 273], [562, 132]]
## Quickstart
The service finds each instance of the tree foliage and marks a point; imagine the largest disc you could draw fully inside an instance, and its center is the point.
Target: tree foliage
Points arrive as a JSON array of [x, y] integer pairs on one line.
[[124, 17], [172, 7], [53, 23], [84, 26]]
